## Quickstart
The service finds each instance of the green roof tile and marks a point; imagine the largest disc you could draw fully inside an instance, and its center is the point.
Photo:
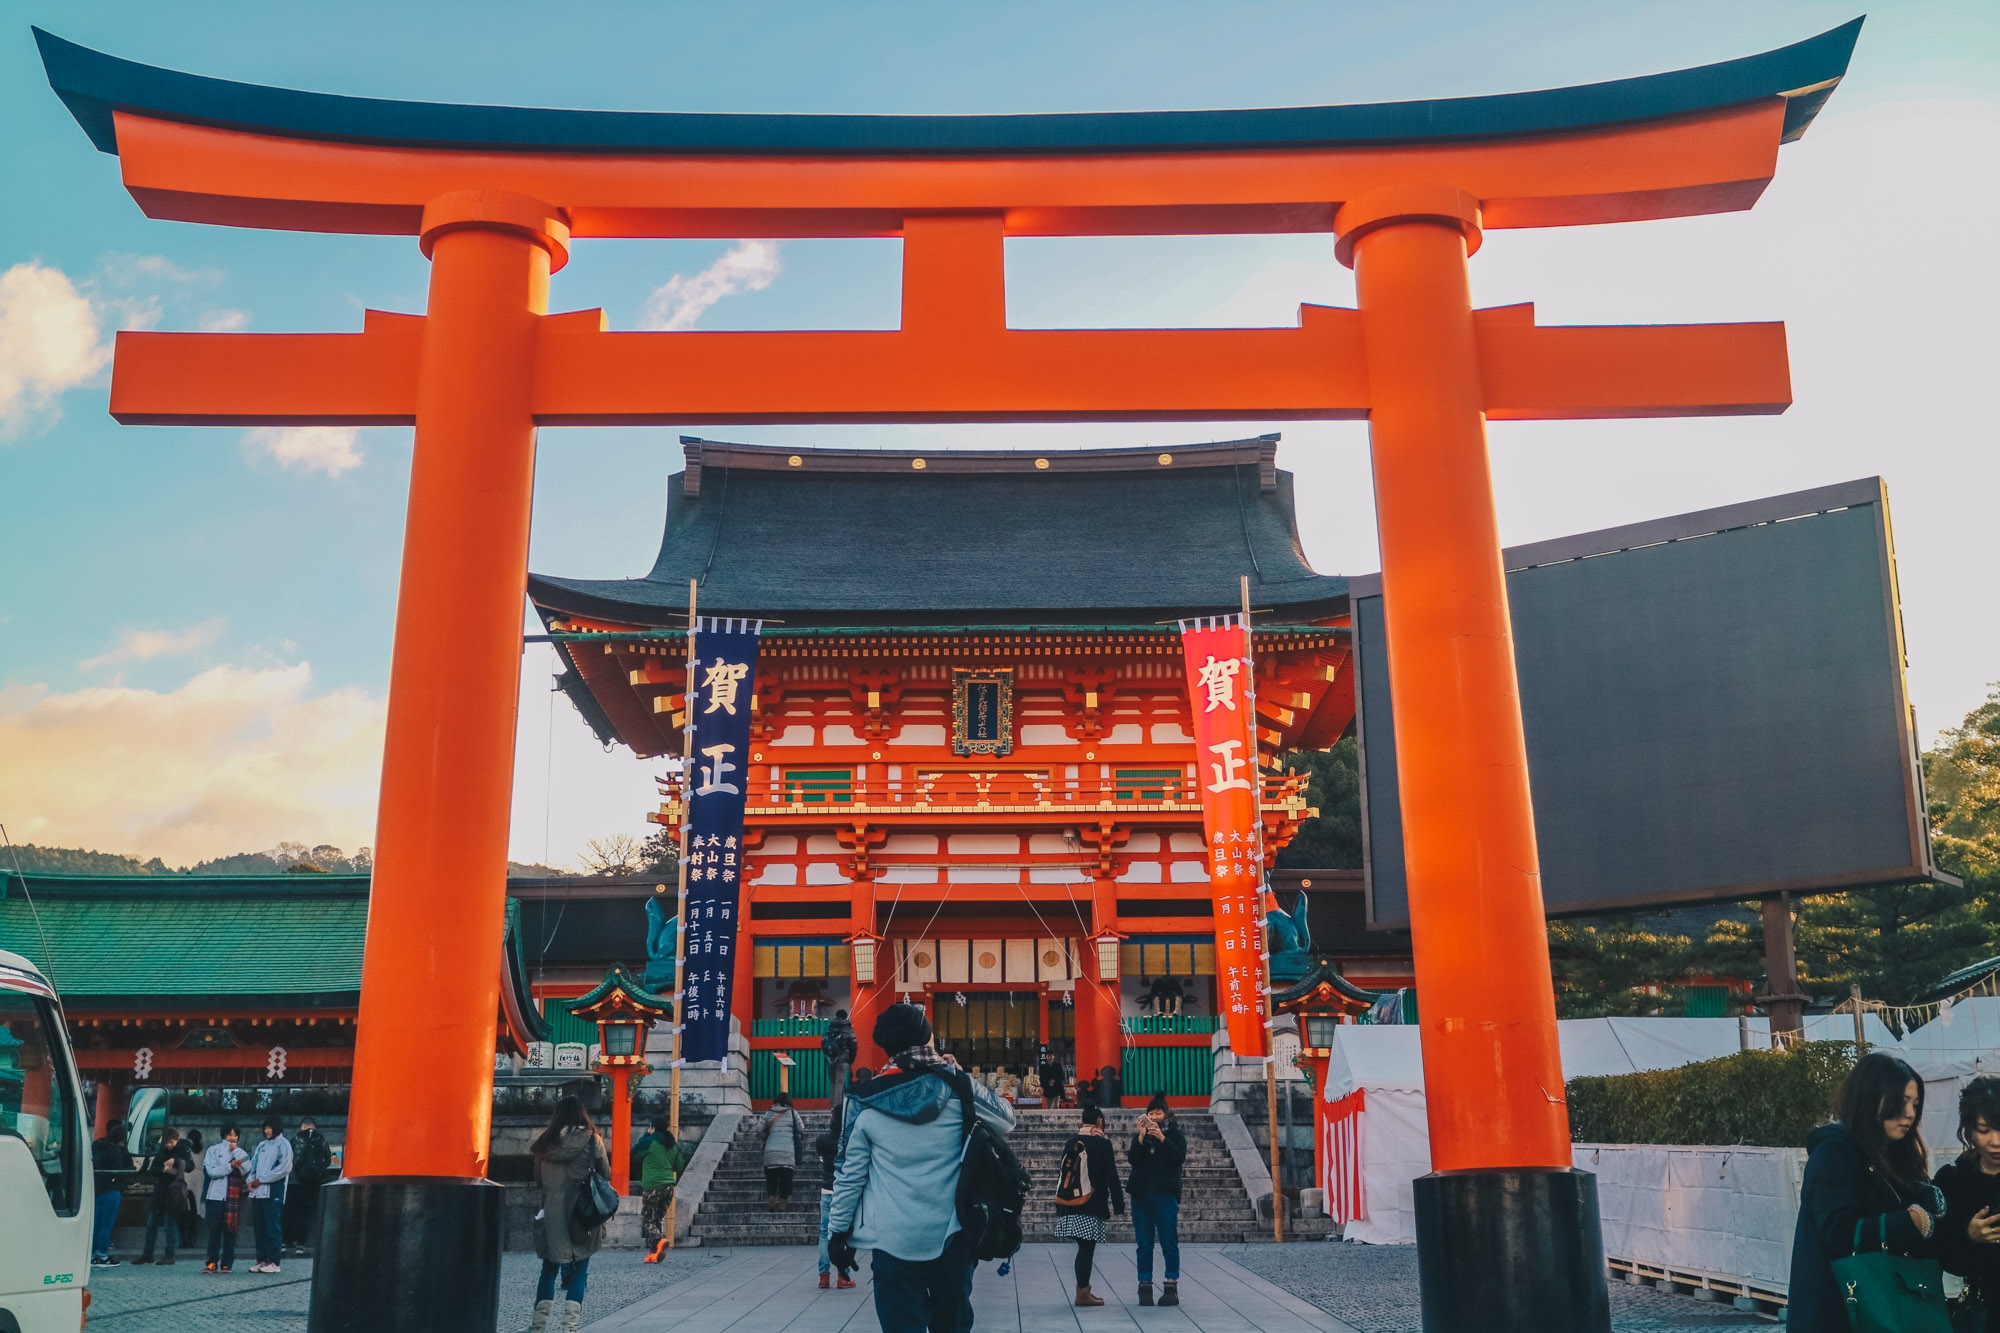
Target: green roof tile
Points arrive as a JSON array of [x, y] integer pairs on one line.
[[142, 935]]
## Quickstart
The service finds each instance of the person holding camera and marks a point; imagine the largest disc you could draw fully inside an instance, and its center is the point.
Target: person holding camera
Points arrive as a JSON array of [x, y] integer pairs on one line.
[[1157, 1152]]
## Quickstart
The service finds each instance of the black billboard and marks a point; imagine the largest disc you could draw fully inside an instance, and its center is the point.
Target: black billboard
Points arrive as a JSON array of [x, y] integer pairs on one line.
[[1714, 706]]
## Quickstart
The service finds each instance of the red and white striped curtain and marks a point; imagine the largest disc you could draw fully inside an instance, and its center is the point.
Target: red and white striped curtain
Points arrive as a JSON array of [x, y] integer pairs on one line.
[[1340, 1157]]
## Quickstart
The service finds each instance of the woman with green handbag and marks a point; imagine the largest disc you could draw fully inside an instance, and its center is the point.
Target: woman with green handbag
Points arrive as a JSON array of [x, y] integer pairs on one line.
[[1863, 1257], [1969, 1236]]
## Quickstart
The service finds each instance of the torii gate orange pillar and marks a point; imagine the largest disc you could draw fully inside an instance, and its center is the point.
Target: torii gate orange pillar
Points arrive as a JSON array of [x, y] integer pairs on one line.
[[422, 1104], [1493, 1078]]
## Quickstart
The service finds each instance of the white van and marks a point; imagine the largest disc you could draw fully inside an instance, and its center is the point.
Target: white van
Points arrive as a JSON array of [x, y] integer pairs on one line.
[[45, 1187]]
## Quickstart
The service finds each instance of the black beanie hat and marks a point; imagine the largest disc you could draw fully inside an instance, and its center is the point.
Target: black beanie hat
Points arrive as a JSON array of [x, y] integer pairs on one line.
[[900, 1027]]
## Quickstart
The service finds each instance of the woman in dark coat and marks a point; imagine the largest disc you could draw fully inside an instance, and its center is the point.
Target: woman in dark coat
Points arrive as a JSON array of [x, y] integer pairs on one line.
[[1157, 1152], [1969, 1233], [1866, 1187], [1087, 1194], [563, 1157]]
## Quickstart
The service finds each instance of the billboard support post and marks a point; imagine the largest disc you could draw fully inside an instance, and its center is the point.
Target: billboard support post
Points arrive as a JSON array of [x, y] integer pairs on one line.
[[1785, 1002]]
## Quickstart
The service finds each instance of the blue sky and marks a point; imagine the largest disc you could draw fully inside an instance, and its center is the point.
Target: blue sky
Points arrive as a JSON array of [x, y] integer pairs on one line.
[[195, 623]]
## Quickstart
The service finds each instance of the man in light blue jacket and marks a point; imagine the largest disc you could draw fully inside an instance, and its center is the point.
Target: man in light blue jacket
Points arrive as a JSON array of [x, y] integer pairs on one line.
[[270, 1172], [896, 1189]]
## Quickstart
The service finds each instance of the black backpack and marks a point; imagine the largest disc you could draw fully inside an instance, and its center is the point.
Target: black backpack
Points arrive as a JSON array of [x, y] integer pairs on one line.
[[992, 1185]]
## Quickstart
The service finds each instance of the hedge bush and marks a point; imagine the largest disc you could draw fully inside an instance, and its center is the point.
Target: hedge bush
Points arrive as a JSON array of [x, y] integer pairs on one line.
[[1766, 1098]]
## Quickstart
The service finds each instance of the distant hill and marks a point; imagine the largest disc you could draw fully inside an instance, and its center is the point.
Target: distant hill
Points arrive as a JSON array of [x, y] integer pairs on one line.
[[286, 857], [78, 861]]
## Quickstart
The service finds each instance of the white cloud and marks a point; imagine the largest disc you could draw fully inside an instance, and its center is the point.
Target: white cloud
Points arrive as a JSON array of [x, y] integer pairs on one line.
[[747, 266], [49, 342], [329, 449], [126, 270], [223, 321], [234, 759], [142, 645]]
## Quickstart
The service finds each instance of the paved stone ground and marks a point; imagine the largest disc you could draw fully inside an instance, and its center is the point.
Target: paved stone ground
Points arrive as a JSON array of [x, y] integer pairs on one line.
[[139, 1299], [773, 1289], [1308, 1287], [1374, 1288]]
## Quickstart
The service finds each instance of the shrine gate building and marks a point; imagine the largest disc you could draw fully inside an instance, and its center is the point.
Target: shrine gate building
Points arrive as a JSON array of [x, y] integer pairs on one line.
[[972, 779]]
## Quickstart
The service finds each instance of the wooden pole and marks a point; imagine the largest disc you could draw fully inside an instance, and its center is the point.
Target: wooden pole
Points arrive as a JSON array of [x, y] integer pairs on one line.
[[1264, 941], [681, 907], [1860, 1033]]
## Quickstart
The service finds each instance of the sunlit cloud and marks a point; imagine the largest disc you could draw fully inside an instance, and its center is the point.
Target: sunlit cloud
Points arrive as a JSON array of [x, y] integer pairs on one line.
[[143, 645], [329, 449], [747, 266], [235, 758], [223, 321], [50, 342]]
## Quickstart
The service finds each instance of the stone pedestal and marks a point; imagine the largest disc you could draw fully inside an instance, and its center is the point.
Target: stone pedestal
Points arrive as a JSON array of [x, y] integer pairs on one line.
[[722, 1090]]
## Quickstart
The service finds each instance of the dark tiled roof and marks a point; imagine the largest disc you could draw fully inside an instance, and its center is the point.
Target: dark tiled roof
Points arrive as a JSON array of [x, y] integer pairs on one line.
[[93, 85], [860, 537]]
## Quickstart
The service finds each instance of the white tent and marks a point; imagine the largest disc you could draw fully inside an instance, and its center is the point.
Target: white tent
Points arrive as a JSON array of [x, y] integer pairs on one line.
[[1948, 1052], [1373, 1113]]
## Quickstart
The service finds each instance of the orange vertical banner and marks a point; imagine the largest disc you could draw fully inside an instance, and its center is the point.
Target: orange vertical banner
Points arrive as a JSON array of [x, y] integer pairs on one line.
[[1221, 698]]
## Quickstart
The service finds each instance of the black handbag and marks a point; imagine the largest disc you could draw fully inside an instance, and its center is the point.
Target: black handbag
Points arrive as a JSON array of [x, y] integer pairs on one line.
[[1968, 1312], [596, 1202]]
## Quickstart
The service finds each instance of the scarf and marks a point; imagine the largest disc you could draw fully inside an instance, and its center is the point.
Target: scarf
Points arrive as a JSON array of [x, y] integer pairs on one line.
[[232, 1208], [925, 1057]]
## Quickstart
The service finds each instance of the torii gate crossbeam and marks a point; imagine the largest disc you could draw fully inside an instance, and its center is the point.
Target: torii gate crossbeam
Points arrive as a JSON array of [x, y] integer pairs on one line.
[[497, 196]]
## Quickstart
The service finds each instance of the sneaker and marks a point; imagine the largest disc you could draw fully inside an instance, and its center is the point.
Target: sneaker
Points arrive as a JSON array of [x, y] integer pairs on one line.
[[106, 1262], [164, 1262], [208, 1267], [226, 1268]]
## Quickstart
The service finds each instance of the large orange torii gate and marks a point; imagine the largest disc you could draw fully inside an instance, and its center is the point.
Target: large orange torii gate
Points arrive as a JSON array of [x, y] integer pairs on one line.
[[496, 198]]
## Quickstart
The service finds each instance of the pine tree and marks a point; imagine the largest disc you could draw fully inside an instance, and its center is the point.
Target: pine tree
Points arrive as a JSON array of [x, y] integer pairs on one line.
[[1333, 840]]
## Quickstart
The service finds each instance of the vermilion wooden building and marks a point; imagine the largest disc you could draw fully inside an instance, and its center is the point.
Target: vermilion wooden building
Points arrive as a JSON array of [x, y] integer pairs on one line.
[[972, 774]]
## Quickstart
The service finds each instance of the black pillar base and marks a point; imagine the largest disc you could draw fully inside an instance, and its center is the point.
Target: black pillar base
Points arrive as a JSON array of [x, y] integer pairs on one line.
[[1511, 1252], [407, 1254]]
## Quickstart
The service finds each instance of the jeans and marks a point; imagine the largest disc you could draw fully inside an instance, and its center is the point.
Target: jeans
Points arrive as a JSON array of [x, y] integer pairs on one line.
[[575, 1278], [101, 1224], [923, 1295], [221, 1240], [158, 1220], [1157, 1215], [269, 1220], [825, 1230]]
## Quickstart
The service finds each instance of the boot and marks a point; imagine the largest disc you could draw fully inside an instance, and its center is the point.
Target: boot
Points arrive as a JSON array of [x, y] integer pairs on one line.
[[1084, 1298], [540, 1323], [572, 1316], [1145, 1293], [826, 1281], [1170, 1294]]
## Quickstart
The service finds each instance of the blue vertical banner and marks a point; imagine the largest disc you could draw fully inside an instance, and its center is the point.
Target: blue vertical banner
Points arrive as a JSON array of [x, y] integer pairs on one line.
[[725, 678]]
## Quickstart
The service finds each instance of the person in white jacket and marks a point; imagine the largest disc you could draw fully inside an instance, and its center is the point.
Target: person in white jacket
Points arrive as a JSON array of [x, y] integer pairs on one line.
[[222, 1156], [270, 1171]]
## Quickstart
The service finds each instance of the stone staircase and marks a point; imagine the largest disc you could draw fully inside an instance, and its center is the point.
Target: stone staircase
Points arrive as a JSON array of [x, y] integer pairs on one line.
[[1213, 1205]]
